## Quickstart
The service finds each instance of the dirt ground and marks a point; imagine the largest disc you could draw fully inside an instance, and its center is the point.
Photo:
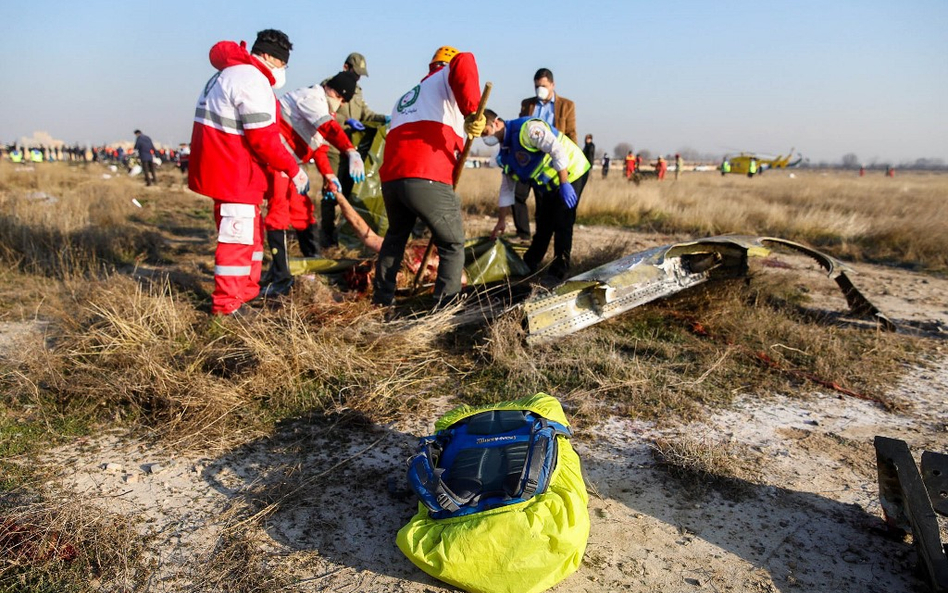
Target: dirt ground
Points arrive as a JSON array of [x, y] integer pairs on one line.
[[814, 525]]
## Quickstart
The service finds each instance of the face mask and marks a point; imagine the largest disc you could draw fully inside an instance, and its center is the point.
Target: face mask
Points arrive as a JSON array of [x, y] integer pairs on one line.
[[279, 74], [334, 103], [491, 140], [543, 93], [279, 77]]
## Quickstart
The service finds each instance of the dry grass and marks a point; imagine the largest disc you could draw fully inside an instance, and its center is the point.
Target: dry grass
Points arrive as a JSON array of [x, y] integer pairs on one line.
[[899, 220], [702, 462], [56, 542], [142, 355], [147, 353], [61, 221]]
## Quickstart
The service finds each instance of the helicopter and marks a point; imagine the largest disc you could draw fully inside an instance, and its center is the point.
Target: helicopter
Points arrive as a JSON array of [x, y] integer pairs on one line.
[[740, 163]]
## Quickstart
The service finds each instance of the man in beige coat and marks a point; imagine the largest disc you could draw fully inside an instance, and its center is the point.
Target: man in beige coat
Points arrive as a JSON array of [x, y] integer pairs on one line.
[[555, 110]]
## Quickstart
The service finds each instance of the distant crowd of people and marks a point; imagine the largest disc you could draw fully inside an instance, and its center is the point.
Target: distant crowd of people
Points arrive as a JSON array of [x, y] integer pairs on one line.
[[633, 164], [107, 154]]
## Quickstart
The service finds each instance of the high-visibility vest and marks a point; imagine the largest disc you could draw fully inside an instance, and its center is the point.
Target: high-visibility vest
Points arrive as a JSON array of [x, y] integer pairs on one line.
[[526, 163], [16, 156], [36, 155], [752, 167]]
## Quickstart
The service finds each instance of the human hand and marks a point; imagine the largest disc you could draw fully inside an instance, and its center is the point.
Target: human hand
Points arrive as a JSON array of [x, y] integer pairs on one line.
[[356, 166], [301, 181], [355, 124], [331, 184], [569, 195], [474, 125], [499, 228]]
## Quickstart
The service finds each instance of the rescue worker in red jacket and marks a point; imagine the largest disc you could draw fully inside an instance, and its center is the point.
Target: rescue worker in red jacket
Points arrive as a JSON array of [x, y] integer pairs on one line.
[[629, 165], [235, 138], [661, 166], [428, 128], [308, 128]]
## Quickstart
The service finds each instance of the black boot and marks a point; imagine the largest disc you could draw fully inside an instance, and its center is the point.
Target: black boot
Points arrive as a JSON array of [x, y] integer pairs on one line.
[[309, 240], [279, 278], [327, 219]]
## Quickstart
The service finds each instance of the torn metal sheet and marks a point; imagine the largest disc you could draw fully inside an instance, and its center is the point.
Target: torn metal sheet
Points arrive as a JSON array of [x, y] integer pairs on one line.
[[907, 505], [636, 279]]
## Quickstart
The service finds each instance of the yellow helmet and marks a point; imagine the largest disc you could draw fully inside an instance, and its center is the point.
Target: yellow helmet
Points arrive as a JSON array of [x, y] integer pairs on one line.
[[444, 54]]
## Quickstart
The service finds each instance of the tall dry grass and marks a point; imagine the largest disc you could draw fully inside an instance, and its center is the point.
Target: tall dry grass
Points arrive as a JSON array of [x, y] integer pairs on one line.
[[900, 221], [145, 356], [60, 220]]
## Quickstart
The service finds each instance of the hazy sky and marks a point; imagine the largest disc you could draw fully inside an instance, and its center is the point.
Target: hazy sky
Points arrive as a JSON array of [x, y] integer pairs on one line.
[[829, 78]]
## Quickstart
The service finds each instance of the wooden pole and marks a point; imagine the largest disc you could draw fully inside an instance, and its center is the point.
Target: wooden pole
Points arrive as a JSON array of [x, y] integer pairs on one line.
[[458, 168]]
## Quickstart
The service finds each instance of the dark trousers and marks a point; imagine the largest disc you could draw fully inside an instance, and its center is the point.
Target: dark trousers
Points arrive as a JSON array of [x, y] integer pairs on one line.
[[521, 213], [554, 221], [406, 201], [148, 170]]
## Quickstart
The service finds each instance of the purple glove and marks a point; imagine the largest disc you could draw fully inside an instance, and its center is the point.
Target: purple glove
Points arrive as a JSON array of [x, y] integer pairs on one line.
[[569, 195], [355, 124]]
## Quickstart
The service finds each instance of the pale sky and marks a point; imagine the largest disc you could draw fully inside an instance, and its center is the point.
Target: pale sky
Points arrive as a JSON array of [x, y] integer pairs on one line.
[[828, 78]]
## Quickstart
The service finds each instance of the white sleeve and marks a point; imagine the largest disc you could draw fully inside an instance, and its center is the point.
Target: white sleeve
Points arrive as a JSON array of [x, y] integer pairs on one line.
[[254, 100], [541, 136], [507, 186], [312, 105]]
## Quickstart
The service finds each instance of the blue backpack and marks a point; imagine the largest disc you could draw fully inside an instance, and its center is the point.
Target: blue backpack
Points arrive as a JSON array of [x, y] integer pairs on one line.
[[487, 460]]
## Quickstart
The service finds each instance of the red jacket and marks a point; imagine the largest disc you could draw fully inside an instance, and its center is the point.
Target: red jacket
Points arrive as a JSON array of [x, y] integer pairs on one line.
[[427, 132], [236, 134]]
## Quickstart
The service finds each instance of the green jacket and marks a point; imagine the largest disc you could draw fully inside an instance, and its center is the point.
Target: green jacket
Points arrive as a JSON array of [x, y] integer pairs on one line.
[[353, 109]]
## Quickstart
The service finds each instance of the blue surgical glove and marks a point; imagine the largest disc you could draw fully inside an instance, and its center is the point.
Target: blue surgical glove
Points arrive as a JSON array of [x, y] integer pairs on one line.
[[356, 166], [331, 183], [355, 124], [388, 119], [329, 197], [569, 195]]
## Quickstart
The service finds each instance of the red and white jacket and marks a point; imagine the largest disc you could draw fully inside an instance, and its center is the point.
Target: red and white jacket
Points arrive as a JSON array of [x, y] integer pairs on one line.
[[306, 125], [427, 129], [236, 134]]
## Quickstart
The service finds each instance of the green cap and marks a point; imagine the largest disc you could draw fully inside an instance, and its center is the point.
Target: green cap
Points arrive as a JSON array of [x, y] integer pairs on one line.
[[356, 61]]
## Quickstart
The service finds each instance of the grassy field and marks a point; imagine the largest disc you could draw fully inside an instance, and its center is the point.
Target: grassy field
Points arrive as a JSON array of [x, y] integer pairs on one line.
[[898, 221], [121, 293]]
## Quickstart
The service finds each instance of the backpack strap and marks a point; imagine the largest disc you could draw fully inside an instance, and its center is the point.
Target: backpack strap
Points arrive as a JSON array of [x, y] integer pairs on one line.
[[425, 479], [543, 448]]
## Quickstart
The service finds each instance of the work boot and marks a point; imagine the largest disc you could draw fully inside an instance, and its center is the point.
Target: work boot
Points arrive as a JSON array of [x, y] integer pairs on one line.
[[308, 239], [328, 236], [279, 280]]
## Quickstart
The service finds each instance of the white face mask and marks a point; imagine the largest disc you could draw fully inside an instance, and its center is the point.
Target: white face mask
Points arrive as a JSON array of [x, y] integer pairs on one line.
[[334, 103], [279, 74], [491, 140], [543, 93], [279, 77]]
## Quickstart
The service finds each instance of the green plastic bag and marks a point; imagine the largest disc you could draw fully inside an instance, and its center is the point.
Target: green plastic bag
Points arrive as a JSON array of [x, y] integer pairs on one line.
[[520, 548]]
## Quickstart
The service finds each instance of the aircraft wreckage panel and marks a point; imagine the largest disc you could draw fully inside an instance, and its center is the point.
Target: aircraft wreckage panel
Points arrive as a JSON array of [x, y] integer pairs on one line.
[[636, 279]]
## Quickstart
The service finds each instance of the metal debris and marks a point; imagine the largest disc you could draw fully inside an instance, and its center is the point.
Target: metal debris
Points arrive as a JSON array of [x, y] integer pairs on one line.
[[636, 279], [910, 508]]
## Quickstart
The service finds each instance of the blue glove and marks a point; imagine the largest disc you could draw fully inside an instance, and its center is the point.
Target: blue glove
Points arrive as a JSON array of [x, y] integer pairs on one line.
[[388, 119], [355, 124], [329, 197], [356, 167], [569, 195]]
